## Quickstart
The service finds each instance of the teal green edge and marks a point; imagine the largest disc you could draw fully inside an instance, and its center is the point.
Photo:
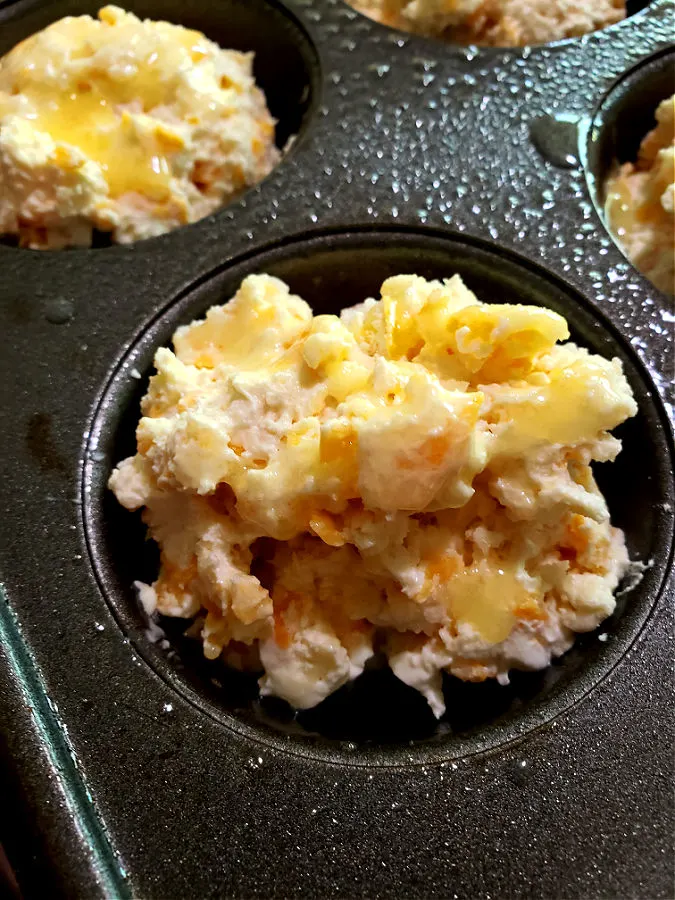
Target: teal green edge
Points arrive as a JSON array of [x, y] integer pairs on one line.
[[108, 869]]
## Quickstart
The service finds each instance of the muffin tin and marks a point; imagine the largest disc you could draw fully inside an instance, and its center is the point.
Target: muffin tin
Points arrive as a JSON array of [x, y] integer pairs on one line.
[[134, 768]]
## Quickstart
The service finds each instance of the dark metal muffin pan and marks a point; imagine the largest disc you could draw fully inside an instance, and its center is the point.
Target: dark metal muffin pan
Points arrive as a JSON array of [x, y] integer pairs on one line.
[[132, 771]]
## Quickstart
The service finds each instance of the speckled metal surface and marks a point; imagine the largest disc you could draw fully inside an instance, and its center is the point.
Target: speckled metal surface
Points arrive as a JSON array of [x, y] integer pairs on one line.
[[160, 789]]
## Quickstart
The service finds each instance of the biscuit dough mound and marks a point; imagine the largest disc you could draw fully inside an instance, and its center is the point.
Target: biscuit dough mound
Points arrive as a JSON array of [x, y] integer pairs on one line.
[[640, 202], [496, 23], [411, 479], [124, 126]]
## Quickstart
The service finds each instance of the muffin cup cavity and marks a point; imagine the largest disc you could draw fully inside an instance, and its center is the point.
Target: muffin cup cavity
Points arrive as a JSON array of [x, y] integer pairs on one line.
[[623, 118], [633, 7], [377, 718], [286, 64]]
